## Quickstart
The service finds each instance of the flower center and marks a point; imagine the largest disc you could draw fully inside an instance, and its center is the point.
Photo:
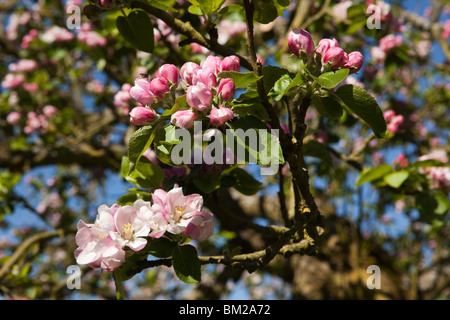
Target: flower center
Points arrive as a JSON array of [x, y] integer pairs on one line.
[[102, 235], [127, 231], [177, 215]]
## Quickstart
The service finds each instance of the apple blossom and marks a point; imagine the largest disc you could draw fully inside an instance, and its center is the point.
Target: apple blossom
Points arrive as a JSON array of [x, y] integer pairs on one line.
[[206, 76], [169, 72], [299, 41], [188, 71], [334, 58], [183, 118], [199, 96], [159, 87], [141, 92], [142, 116], [230, 63], [355, 61], [326, 44], [219, 116], [201, 226], [226, 88]]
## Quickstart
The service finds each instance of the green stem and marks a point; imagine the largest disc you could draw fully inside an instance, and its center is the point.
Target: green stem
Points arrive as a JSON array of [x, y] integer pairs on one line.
[[117, 275]]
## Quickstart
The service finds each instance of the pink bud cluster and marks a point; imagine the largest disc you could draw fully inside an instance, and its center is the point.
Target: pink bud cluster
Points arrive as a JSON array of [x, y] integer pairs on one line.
[[206, 94], [385, 45], [393, 120], [202, 86], [439, 176], [148, 91], [329, 53], [87, 35], [102, 244]]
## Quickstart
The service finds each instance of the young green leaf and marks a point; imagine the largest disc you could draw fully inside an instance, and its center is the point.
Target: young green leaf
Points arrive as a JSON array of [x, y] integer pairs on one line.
[[371, 174], [331, 79], [139, 142], [208, 6], [361, 103], [396, 179], [240, 79]]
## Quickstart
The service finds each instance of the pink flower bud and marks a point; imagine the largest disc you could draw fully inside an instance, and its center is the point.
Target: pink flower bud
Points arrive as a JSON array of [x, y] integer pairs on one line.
[[388, 115], [141, 116], [201, 226], [334, 58], [395, 123], [141, 92], [183, 118], [390, 41], [355, 61], [326, 44], [206, 76], [226, 88], [300, 40], [199, 96], [218, 116], [168, 72], [213, 63], [159, 87], [230, 63], [188, 71]]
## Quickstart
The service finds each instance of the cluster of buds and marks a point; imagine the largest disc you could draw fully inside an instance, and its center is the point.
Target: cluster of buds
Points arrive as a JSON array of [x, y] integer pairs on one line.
[[206, 93], [327, 53]]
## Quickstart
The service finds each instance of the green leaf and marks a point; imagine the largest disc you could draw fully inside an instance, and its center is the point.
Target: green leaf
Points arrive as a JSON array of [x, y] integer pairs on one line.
[[164, 142], [180, 103], [207, 184], [361, 103], [137, 29], [271, 74], [328, 107], [146, 175], [163, 5], [240, 79], [265, 11], [208, 6], [160, 247], [317, 150], [280, 86], [396, 179], [428, 163], [371, 174], [256, 147], [195, 10], [244, 182], [186, 264], [298, 80], [331, 79], [443, 204], [139, 142], [228, 9], [127, 199]]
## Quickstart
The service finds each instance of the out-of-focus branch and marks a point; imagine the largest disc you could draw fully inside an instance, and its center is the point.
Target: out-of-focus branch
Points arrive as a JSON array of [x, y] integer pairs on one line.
[[23, 248]]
